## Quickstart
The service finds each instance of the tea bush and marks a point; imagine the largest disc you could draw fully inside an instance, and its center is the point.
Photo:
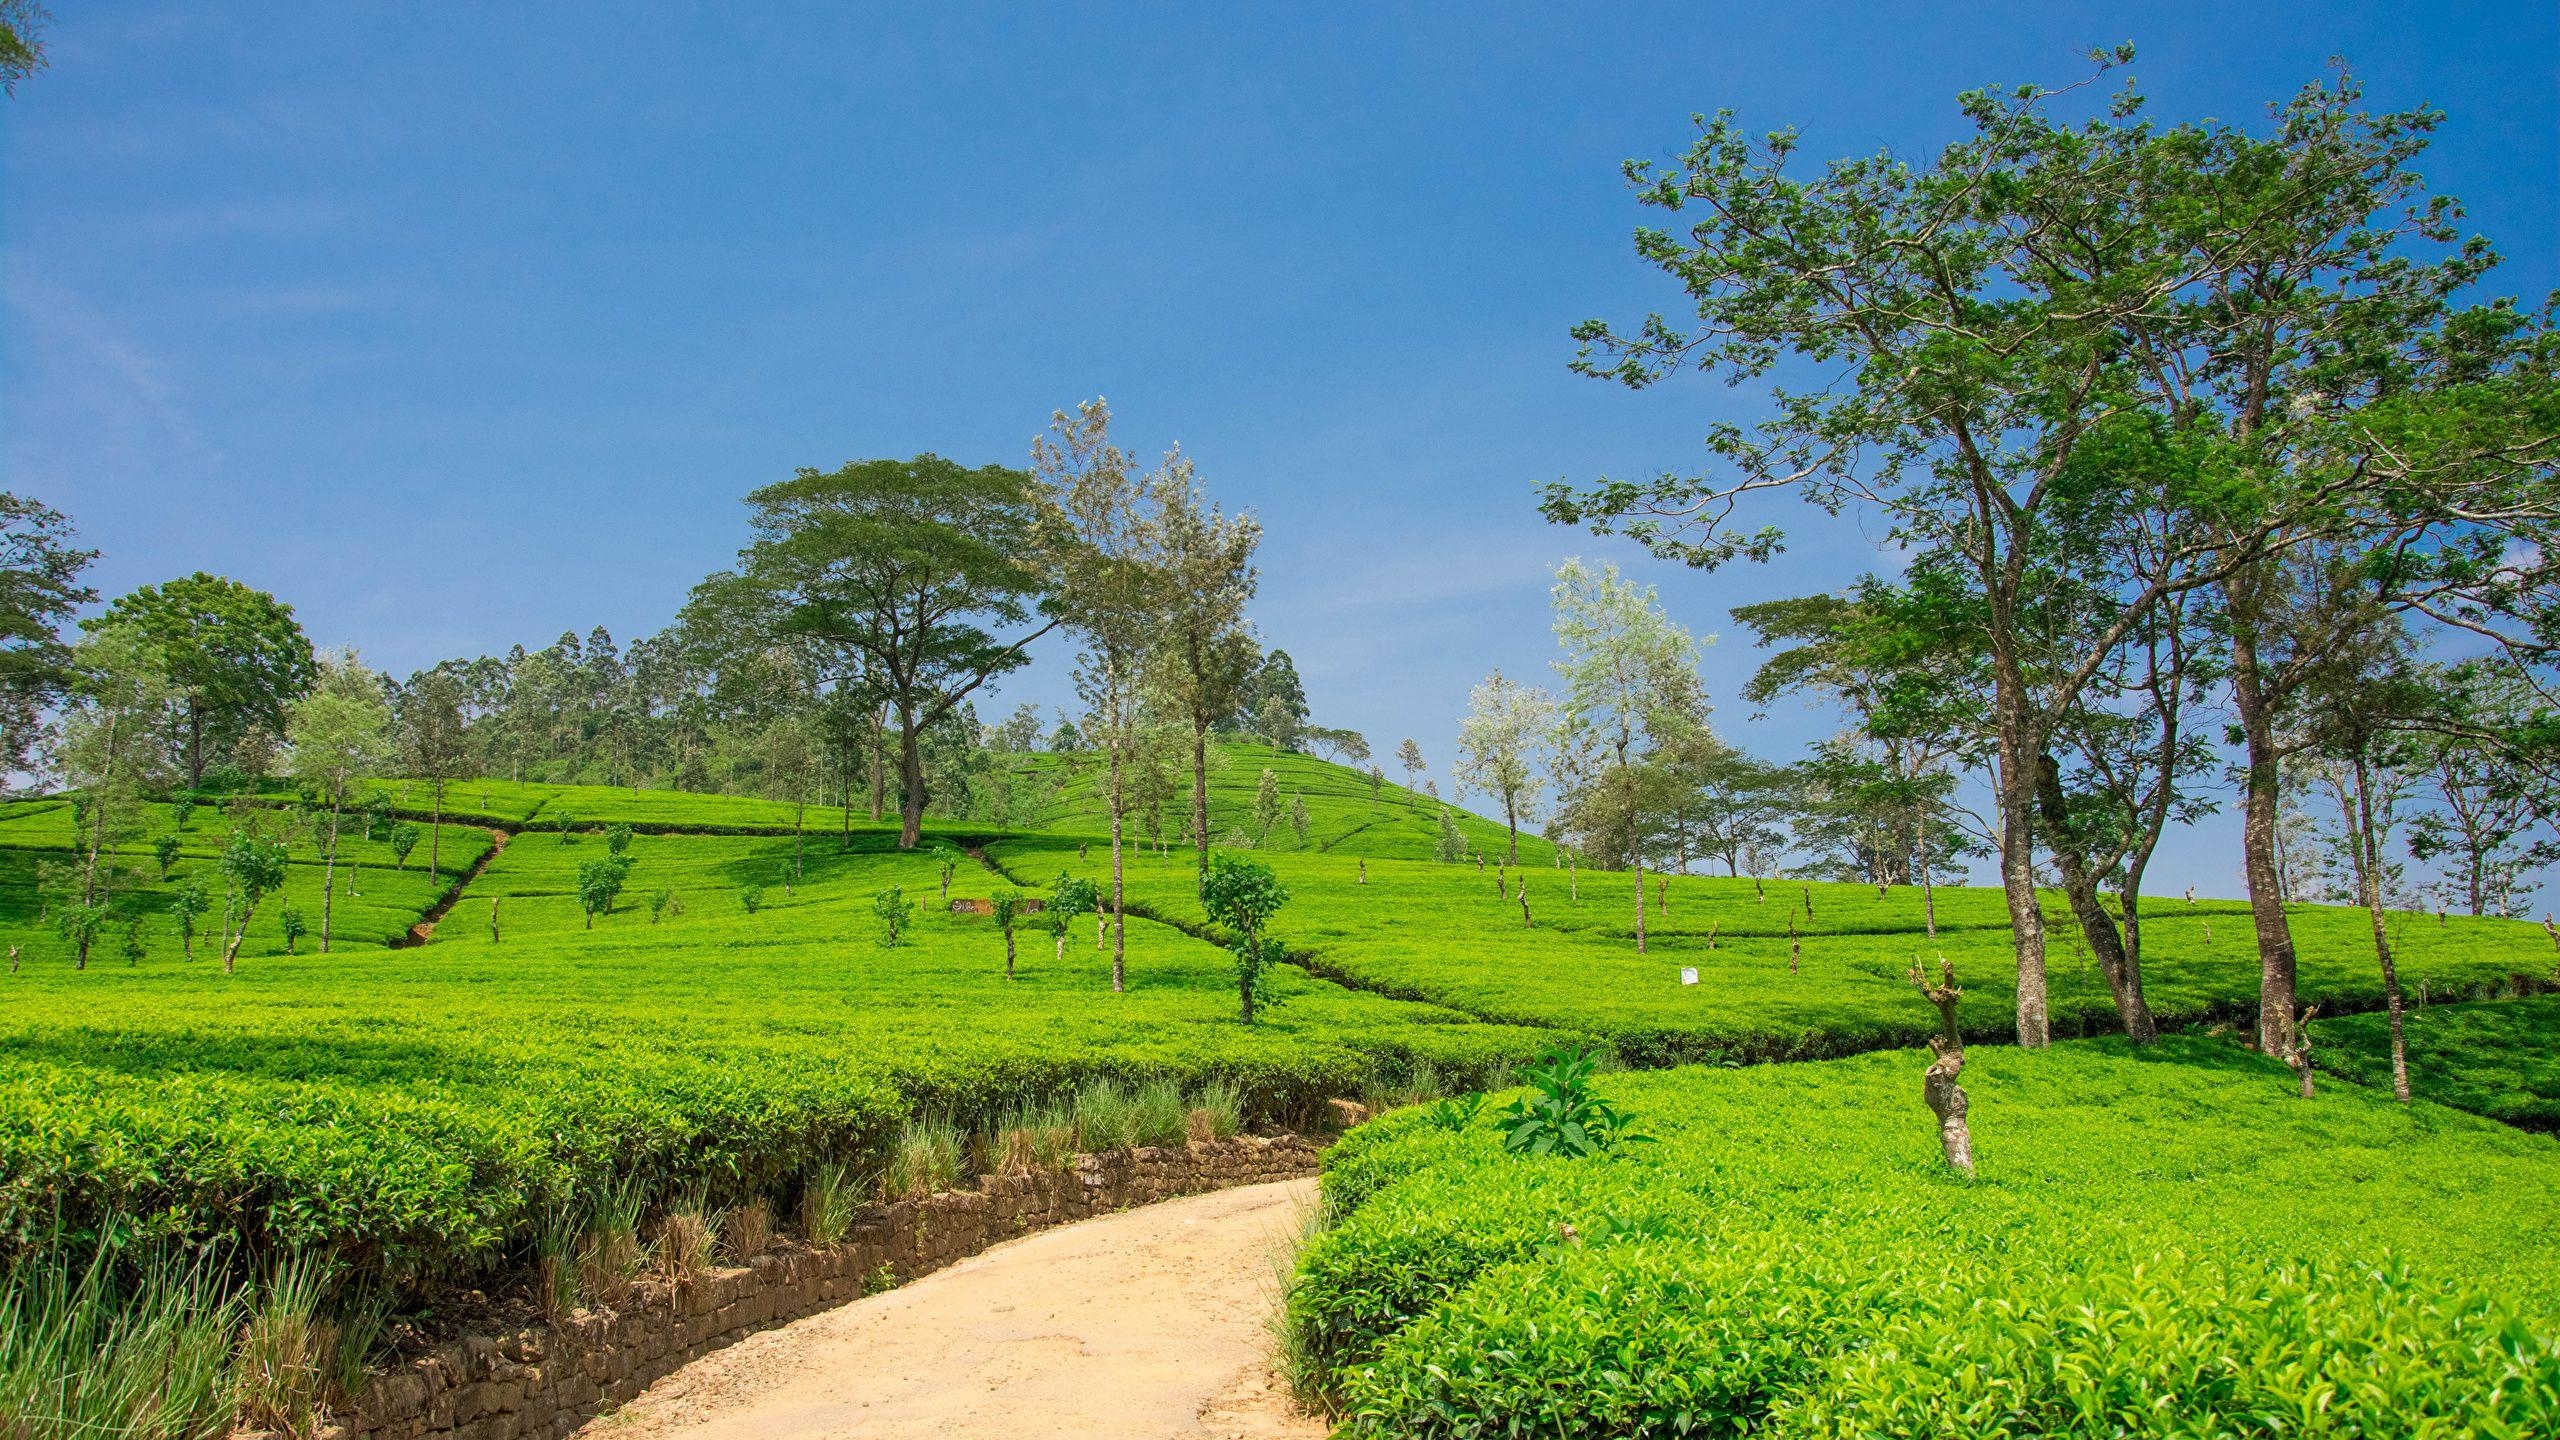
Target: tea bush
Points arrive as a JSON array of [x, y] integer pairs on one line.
[[2162, 1242], [2496, 1058]]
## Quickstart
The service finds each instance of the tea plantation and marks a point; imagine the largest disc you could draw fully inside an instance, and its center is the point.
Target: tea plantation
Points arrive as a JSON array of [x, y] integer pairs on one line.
[[2152, 1231]]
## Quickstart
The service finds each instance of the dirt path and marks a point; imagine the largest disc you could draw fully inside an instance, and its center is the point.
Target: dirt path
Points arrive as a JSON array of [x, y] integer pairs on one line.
[[425, 929], [1144, 1324]]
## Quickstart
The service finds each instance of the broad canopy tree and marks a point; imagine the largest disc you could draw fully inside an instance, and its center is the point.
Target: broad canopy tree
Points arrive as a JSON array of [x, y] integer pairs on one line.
[[236, 655], [40, 590], [909, 567]]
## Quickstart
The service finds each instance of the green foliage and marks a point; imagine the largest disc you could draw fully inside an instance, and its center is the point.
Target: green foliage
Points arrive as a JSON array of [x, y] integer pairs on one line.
[[100, 1345], [236, 654], [1560, 1114], [617, 838], [659, 901], [893, 910], [1070, 896], [404, 838], [164, 849], [1787, 1261], [1452, 845], [292, 926], [2499, 1058], [1456, 1112], [751, 897], [253, 866], [600, 883], [1243, 895]]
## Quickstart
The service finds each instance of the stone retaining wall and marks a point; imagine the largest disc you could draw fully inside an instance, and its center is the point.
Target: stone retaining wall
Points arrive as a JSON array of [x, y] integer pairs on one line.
[[543, 1383]]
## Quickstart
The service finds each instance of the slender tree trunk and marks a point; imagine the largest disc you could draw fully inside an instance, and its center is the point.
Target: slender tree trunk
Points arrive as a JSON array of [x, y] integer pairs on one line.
[[1511, 820], [2018, 872], [879, 762], [911, 783], [2080, 889], [195, 744], [1928, 893], [329, 873], [2260, 795], [1200, 789], [799, 838], [1119, 895], [2371, 845]]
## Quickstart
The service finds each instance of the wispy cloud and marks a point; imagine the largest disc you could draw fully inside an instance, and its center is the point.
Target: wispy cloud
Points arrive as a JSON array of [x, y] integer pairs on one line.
[[89, 392]]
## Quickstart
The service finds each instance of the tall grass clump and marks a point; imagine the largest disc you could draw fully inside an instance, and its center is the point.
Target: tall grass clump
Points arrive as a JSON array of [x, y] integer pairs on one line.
[[1106, 1119], [85, 1351], [1039, 1137], [1217, 1111], [1158, 1115], [555, 1262], [680, 1252], [829, 1199], [748, 1229], [288, 1349], [609, 1250], [925, 1158]]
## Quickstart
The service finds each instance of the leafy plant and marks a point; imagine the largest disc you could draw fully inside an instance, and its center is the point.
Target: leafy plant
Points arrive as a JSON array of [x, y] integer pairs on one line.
[[894, 910], [404, 838], [1243, 895], [617, 838], [600, 883], [164, 849], [292, 926], [751, 897], [1456, 1112], [1562, 1114]]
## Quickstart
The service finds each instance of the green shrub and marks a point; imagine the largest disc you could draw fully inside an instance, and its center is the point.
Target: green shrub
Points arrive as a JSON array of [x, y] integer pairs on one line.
[[829, 1199], [1561, 1114], [1217, 1112], [893, 910]]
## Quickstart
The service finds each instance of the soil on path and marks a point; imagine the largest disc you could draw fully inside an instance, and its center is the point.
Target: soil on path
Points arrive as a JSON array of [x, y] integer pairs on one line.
[[1143, 1324]]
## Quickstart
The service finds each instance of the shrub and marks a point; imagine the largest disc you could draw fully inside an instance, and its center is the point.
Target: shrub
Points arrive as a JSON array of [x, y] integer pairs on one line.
[[751, 898], [1037, 1138], [617, 838], [894, 910], [609, 1252], [290, 924], [404, 838]]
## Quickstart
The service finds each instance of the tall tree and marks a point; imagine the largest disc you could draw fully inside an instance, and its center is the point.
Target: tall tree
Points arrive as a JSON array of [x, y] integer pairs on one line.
[[39, 590], [434, 745], [2492, 826], [1109, 593], [1630, 689], [2053, 304], [904, 563], [111, 755], [1506, 726], [1205, 651], [341, 737], [237, 656]]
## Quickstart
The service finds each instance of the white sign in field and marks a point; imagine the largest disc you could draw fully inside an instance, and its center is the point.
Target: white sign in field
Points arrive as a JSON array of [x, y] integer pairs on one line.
[[1688, 975]]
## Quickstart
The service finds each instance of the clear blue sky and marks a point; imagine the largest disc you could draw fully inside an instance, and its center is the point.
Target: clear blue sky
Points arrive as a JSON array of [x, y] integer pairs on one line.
[[461, 325]]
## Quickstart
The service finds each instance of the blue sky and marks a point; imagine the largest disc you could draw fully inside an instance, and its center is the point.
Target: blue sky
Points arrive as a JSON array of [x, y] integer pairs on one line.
[[461, 325]]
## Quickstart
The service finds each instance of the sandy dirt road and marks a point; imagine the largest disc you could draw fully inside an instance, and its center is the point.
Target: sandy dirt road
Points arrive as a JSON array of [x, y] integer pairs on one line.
[[1148, 1323]]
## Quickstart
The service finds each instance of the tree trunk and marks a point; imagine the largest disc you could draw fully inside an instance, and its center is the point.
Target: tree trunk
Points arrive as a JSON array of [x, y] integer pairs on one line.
[[2018, 873], [195, 744], [2260, 795], [879, 763], [910, 782], [2371, 845], [1119, 895], [1511, 821], [1008, 951], [1928, 893], [329, 874], [2120, 965], [1944, 1096], [1200, 790]]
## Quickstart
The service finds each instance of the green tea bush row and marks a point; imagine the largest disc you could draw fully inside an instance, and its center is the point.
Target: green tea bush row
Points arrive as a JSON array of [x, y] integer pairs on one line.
[[2162, 1242]]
